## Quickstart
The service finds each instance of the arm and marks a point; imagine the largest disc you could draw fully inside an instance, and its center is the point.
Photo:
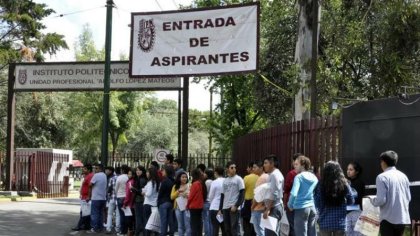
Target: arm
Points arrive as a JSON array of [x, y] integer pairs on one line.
[[380, 198], [174, 193], [240, 200], [293, 193], [211, 193], [148, 189], [350, 195], [222, 196], [193, 192]]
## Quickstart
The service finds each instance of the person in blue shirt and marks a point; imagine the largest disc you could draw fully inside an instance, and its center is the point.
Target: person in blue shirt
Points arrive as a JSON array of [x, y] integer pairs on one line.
[[301, 199], [332, 195]]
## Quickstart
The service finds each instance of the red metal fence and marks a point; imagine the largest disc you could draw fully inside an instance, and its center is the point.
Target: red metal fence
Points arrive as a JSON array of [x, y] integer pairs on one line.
[[45, 173], [317, 138]]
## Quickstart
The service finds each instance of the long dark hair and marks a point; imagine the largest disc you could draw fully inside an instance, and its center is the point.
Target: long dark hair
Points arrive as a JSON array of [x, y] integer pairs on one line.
[[154, 177], [357, 167], [197, 176], [178, 179], [333, 184], [142, 179]]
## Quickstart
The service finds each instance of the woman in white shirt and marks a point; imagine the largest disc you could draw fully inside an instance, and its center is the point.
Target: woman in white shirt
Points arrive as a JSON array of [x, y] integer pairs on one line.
[[150, 192]]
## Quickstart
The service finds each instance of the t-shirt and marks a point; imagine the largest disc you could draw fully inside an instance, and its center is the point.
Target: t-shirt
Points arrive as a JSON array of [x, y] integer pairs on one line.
[[231, 188], [99, 182], [250, 181], [276, 181], [216, 189], [84, 190], [120, 185]]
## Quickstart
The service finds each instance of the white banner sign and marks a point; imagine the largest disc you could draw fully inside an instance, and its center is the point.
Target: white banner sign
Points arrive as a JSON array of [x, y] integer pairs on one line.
[[195, 42], [84, 76]]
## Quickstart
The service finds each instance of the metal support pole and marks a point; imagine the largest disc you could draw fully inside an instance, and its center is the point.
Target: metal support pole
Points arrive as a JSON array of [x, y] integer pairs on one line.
[[105, 118], [10, 146], [179, 124], [185, 114]]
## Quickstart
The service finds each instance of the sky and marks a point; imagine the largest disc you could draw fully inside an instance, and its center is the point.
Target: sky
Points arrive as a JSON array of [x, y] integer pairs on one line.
[[77, 13]]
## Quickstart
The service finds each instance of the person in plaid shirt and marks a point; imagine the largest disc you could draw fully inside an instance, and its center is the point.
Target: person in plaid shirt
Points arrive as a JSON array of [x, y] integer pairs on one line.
[[332, 195], [112, 203]]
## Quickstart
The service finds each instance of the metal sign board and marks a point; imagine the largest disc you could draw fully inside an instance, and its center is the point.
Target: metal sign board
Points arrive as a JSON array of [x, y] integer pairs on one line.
[[84, 76], [204, 41]]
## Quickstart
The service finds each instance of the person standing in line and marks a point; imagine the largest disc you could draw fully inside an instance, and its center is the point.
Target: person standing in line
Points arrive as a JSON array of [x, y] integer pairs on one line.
[[288, 184], [178, 166], [301, 200], [84, 221], [208, 229], [214, 195], [249, 181], [150, 193], [140, 182], [169, 159], [332, 195], [392, 196], [97, 194], [274, 205], [198, 194], [231, 199], [257, 208], [128, 203], [120, 189], [180, 192], [354, 170], [112, 201], [164, 200]]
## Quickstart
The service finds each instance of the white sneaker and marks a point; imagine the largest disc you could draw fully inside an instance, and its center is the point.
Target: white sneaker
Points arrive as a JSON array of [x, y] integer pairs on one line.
[[118, 234]]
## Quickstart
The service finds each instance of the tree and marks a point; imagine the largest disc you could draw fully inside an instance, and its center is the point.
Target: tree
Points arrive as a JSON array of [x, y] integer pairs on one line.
[[21, 39]]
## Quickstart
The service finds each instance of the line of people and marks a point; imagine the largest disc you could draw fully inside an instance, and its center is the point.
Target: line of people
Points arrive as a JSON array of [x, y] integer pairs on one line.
[[220, 201]]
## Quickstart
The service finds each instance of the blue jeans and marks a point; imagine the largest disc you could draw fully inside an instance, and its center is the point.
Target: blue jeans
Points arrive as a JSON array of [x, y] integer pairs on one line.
[[165, 213], [123, 222], [256, 221], [184, 227], [208, 229], [304, 222], [291, 218], [96, 214], [140, 215], [111, 208]]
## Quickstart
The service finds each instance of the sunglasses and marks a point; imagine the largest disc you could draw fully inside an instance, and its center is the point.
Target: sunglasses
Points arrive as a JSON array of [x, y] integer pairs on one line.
[[232, 167]]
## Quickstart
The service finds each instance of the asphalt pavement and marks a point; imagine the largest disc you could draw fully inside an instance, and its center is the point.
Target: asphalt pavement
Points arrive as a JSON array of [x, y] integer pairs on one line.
[[40, 217]]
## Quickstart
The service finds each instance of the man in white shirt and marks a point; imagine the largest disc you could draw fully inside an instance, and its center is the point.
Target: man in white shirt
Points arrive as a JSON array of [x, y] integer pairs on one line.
[[214, 195], [120, 190], [392, 196]]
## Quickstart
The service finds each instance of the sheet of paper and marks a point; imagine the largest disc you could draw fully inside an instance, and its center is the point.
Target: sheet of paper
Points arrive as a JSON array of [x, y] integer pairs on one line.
[[219, 218], [270, 223], [182, 203], [127, 211]]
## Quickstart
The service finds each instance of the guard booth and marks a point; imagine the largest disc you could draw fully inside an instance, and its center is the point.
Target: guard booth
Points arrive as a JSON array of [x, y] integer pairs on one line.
[[43, 171], [370, 128]]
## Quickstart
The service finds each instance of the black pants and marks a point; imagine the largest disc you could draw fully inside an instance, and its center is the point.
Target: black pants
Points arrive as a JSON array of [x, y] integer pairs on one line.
[[231, 221], [388, 229], [216, 224], [84, 222], [196, 222], [246, 218]]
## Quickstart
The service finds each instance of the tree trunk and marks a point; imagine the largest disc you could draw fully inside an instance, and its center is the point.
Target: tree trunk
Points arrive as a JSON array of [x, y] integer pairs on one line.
[[303, 56]]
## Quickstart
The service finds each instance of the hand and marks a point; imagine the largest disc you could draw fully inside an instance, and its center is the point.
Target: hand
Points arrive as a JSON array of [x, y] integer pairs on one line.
[[233, 209], [266, 213], [219, 213]]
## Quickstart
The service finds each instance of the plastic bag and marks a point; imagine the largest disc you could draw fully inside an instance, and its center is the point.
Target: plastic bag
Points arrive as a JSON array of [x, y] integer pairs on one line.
[[153, 223], [368, 222], [85, 208], [284, 225]]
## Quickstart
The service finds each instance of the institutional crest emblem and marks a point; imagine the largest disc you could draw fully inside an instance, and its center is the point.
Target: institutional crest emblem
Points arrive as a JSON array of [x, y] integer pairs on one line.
[[146, 35], [22, 76]]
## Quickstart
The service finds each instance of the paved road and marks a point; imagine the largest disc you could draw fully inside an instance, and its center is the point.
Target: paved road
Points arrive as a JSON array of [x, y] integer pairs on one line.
[[42, 217]]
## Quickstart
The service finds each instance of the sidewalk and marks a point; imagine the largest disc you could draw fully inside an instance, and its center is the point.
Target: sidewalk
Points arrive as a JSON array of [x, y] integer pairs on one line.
[[39, 217]]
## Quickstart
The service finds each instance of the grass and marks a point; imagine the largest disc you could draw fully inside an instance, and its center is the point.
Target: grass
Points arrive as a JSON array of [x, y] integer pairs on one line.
[[77, 184]]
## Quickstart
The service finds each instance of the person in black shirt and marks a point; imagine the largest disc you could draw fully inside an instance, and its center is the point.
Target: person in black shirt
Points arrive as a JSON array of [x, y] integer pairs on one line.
[[354, 170]]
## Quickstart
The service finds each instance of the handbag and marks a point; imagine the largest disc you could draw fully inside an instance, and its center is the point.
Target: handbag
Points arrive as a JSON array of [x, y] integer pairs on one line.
[[153, 223]]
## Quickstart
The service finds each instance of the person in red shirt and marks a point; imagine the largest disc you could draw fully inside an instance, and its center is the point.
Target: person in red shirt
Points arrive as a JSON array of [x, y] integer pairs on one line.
[[195, 204], [288, 184], [84, 221], [129, 200]]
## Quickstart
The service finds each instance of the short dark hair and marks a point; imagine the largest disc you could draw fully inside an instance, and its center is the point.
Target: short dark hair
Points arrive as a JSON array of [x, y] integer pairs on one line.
[[229, 163], [110, 168], [210, 173], [251, 164], [304, 161], [100, 166], [118, 170], [259, 163], [219, 170], [155, 164], [202, 167], [389, 157], [169, 171], [169, 157], [178, 161], [88, 167], [125, 169], [273, 159]]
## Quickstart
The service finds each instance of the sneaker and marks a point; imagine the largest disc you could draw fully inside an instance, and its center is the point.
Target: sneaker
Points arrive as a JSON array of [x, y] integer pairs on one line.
[[108, 232], [118, 234], [76, 229], [92, 231]]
